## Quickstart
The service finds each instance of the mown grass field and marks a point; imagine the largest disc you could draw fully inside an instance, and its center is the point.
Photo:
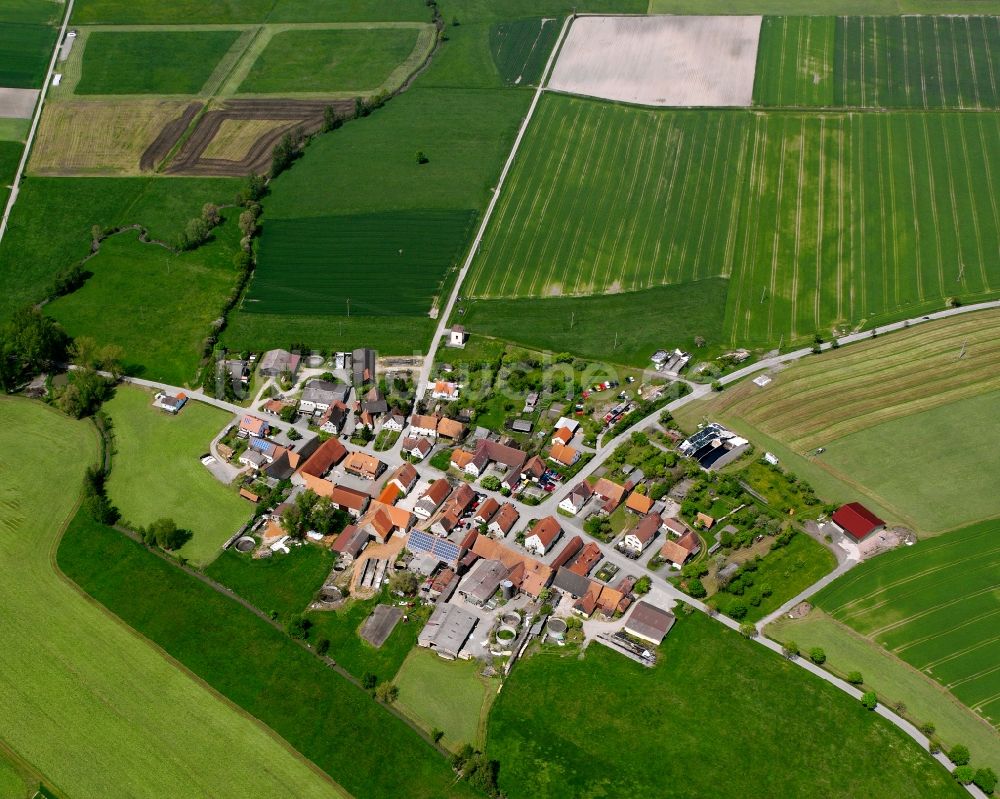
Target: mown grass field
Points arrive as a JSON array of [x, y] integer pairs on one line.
[[918, 62], [158, 305], [151, 62], [446, 695], [795, 61], [14, 129], [41, 12], [604, 327], [389, 264], [89, 704], [820, 221], [324, 716], [25, 50], [934, 605], [521, 48], [157, 473], [559, 746], [51, 228], [894, 681], [351, 59], [10, 156], [284, 584]]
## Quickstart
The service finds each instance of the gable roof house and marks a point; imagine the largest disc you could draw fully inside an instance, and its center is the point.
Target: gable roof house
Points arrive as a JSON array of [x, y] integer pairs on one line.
[[543, 535], [253, 427], [363, 366], [610, 493], [586, 560], [488, 451], [564, 455], [416, 447], [675, 526], [460, 458], [404, 477], [573, 546], [350, 542], [421, 425], [528, 575], [332, 419], [578, 496], [639, 503], [642, 535], [460, 501], [649, 622], [486, 511], [562, 435], [168, 403], [442, 389], [275, 362], [395, 421], [363, 465], [311, 472], [857, 521], [451, 429], [504, 520], [252, 458], [483, 580], [534, 468], [678, 552], [352, 502], [374, 402], [432, 498]]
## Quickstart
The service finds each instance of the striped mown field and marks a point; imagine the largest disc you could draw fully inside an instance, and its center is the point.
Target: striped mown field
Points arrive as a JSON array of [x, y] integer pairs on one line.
[[819, 220], [923, 62], [936, 606]]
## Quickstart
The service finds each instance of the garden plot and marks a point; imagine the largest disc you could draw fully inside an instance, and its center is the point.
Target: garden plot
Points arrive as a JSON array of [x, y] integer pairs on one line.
[[661, 61]]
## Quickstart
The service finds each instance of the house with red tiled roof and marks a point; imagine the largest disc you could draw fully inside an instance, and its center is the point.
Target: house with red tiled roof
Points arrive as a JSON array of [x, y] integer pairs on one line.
[[504, 520], [857, 521], [543, 535], [586, 560], [363, 465], [310, 473], [675, 526], [579, 496], [562, 435], [253, 427], [573, 546], [639, 503], [423, 425], [449, 428], [611, 494], [432, 498], [642, 535], [678, 552], [416, 447], [404, 478], [347, 499], [444, 390], [486, 511]]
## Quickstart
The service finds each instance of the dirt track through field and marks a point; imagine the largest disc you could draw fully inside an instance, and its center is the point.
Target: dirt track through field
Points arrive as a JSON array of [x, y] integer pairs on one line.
[[167, 138]]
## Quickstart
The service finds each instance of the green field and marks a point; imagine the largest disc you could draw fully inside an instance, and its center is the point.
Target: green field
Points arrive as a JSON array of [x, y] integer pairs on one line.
[[934, 605], [812, 217], [40, 12], [606, 327], [521, 48], [787, 571], [151, 62], [157, 473], [14, 129], [894, 681], [283, 584], [50, 229], [918, 62], [389, 264], [795, 62], [25, 51], [446, 695], [341, 60], [356, 655], [156, 304], [86, 702], [10, 156], [126, 12], [558, 730], [325, 717], [887, 7]]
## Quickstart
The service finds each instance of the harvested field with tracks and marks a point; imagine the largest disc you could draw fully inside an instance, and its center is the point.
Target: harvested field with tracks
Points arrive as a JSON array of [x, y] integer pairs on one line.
[[97, 137], [235, 138], [192, 159], [660, 61]]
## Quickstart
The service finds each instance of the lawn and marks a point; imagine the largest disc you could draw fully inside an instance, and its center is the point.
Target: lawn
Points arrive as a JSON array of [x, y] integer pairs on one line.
[[25, 51], [894, 681], [156, 471], [521, 48], [356, 655], [50, 228], [787, 570], [151, 62], [102, 712], [158, 305], [328, 719], [336, 60], [934, 605], [282, 584], [608, 327], [10, 156], [388, 264], [41, 12], [551, 726], [446, 695], [14, 129], [812, 217]]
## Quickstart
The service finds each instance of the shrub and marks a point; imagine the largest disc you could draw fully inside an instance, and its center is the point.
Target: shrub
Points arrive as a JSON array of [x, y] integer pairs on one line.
[[696, 588], [927, 728], [964, 774], [737, 611], [437, 735], [959, 755], [322, 646], [855, 678], [817, 655], [790, 649], [986, 780], [870, 700]]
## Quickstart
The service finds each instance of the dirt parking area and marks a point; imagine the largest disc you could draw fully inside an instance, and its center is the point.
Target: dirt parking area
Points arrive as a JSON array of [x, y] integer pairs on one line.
[[661, 61], [17, 103]]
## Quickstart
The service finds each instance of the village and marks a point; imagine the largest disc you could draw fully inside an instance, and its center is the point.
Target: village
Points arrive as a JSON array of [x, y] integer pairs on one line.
[[542, 529]]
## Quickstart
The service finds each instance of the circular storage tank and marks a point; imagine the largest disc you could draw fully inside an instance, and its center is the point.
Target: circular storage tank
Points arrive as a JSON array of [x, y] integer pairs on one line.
[[556, 628], [507, 587], [506, 634], [511, 619], [245, 544]]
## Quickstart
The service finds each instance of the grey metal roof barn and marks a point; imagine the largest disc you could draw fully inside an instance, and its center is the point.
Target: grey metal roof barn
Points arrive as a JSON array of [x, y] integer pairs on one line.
[[649, 622], [483, 580], [447, 630]]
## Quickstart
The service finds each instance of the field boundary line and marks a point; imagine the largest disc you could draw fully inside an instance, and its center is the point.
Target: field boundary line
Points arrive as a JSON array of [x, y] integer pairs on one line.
[[972, 199], [797, 246], [989, 61], [882, 219], [425, 369], [925, 638], [777, 235], [932, 195], [917, 250], [916, 616], [960, 653], [15, 186]]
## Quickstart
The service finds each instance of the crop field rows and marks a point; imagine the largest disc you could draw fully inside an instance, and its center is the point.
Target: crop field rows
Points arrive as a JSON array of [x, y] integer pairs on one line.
[[928, 62], [521, 48], [937, 606], [866, 384], [819, 220], [369, 265]]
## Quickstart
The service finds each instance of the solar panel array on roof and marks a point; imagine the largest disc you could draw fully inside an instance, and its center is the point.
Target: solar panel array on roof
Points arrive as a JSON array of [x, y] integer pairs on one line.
[[440, 548]]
